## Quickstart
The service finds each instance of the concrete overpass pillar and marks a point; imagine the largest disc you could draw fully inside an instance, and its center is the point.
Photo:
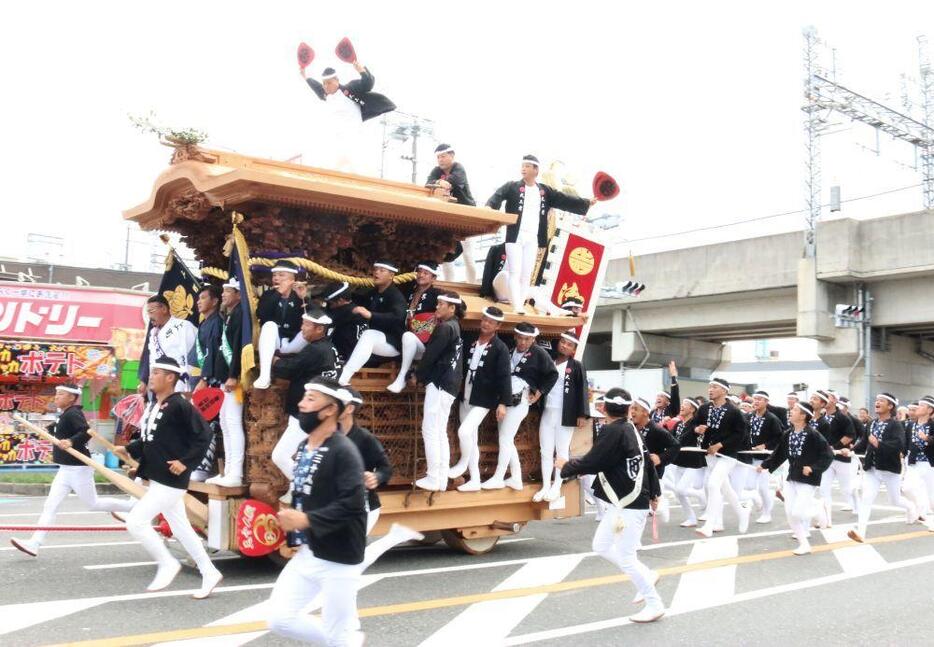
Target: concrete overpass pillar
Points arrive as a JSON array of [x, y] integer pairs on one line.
[[816, 301]]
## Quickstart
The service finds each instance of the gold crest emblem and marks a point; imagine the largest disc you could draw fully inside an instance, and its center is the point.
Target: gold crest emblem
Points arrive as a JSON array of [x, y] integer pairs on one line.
[[181, 303], [581, 261]]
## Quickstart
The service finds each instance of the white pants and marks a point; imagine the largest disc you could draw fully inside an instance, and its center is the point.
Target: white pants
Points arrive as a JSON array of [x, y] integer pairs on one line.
[[435, 433], [284, 451], [840, 471], [688, 482], [468, 435], [800, 506], [169, 502], [553, 438], [303, 579], [919, 484], [371, 342], [501, 285], [761, 482], [412, 349], [270, 342], [872, 480], [231, 419], [80, 480], [620, 548], [719, 469], [521, 256], [508, 457], [469, 266]]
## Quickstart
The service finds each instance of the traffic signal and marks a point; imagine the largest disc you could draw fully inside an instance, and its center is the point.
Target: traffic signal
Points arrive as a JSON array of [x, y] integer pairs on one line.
[[847, 315], [630, 288]]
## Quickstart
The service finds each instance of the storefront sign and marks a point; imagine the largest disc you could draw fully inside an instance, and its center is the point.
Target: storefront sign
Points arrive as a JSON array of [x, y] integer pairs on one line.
[[33, 361], [54, 313], [24, 448]]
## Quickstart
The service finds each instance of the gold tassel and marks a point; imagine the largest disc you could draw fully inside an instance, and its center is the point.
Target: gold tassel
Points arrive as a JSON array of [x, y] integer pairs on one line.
[[632, 265]]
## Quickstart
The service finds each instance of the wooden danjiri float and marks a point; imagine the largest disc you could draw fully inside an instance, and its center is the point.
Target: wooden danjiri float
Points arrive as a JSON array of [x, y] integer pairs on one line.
[[334, 225]]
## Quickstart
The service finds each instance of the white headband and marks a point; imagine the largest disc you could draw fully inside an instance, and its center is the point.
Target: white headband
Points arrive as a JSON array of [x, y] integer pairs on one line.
[[926, 401], [339, 394], [889, 398], [642, 402], [387, 266], [690, 402], [757, 394], [446, 150], [338, 291], [332, 75], [822, 396], [448, 299], [233, 284], [534, 333], [490, 315], [570, 338], [617, 400], [802, 406], [664, 394], [525, 161], [280, 268], [572, 304], [720, 384], [68, 389], [323, 320], [427, 268], [169, 367]]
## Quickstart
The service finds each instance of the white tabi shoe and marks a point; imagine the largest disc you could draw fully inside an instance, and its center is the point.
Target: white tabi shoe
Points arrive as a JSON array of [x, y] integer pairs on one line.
[[554, 492], [664, 509], [27, 546], [457, 470], [493, 484], [514, 482], [164, 575], [540, 495], [705, 531], [689, 523], [226, 481], [208, 583], [650, 613], [261, 383], [765, 518], [395, 387], [469, 486], [357, 639], [428, 483], [804, 548], [640, 599]]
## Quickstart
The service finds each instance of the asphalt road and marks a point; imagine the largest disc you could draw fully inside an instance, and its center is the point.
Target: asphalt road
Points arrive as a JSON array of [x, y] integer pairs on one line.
[[540, 587]]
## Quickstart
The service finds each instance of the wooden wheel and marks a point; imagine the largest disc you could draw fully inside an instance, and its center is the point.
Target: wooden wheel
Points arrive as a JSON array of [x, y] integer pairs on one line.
[[475, 546]]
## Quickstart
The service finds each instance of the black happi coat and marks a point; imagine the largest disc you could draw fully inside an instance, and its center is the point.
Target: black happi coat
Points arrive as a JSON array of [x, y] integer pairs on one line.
[[360, 91], [781, 413], [457, 176], [660, 442], [490, 383], [686, 437], [840, 426], [441, 363], [731, 431], [887, 457], [178, 433], [208, 344], [334, 500], [769, 434], [286, 313], [388, 310], [513, 194], [616, 453], [319, 358], [374, 460], [234, 336], [495, 262], [73, 426], [345, 328], [815, 453], [674, 404], [575, 403], [537, 369]]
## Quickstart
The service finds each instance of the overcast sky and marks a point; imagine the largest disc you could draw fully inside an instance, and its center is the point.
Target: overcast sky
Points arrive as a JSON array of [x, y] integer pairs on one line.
[[693, 106]]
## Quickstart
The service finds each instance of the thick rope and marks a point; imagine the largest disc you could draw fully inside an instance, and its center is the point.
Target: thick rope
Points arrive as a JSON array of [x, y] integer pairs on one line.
[[112, 528], [312, 268]]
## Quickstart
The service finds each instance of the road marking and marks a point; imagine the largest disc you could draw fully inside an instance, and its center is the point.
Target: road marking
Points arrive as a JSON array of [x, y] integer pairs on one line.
[[101, 567], [57, 514], [91, 545], [557, 587], [857, 560], [742, 597], [22, 616], [696, 589], [490, 622]]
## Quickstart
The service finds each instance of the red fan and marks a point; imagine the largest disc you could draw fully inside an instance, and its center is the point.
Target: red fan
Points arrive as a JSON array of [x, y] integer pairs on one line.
[[604, 187], [345, 51], [208, 401], [305, 55], [258, 530]]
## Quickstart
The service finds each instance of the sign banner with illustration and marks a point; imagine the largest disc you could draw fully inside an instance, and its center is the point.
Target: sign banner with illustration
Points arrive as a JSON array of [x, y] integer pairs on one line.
[[54, 313], [21, 449], [36, 362]]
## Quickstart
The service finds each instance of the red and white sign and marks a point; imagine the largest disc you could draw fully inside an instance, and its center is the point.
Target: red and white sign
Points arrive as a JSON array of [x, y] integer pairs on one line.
[[52, 312]]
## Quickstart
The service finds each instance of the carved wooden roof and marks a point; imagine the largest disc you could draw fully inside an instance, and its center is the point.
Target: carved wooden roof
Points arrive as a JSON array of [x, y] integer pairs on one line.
[[200, 180]]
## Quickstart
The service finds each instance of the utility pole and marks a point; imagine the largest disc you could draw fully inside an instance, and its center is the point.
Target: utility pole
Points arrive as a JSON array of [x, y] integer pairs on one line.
[[866, 303], [813, 124]]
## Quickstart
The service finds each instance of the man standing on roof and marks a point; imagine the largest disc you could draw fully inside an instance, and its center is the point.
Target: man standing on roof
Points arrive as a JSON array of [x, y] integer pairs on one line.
[[451, 177]]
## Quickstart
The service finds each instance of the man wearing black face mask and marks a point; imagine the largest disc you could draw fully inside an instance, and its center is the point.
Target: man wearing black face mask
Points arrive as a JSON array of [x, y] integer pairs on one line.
[[328, 524]]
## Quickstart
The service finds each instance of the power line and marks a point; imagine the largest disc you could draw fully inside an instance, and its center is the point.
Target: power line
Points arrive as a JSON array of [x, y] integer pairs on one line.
[[769, 217]]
